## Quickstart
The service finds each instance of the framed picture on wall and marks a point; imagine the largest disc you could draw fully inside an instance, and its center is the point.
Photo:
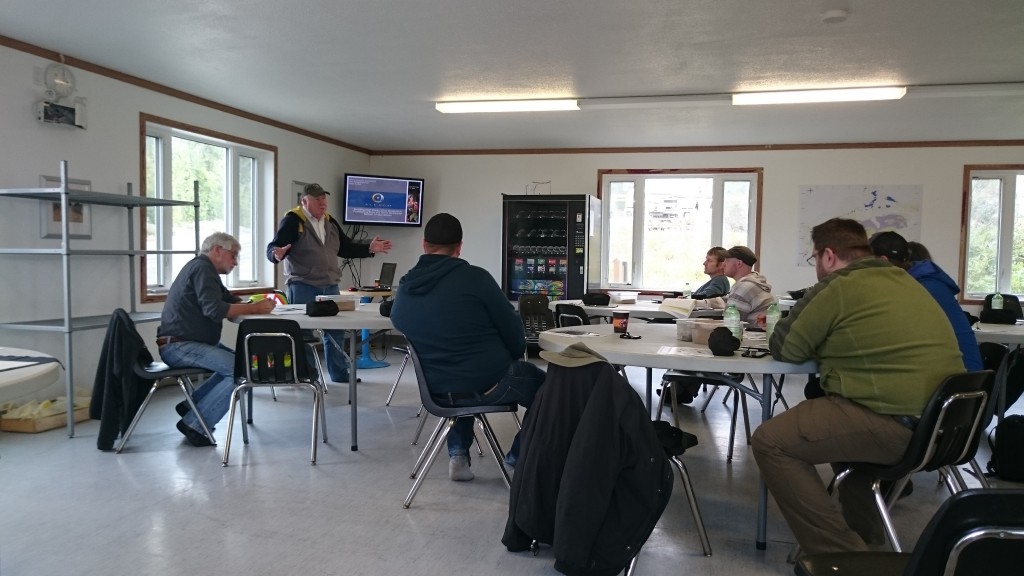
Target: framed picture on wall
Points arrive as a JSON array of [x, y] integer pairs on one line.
[[79, 215]]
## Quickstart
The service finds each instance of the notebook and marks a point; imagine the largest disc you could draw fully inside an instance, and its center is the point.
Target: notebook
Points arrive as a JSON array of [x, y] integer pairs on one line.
[[387, 278]]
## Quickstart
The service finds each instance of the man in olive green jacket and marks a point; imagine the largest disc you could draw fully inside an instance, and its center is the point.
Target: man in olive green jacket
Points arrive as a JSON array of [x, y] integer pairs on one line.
[[883, 346]]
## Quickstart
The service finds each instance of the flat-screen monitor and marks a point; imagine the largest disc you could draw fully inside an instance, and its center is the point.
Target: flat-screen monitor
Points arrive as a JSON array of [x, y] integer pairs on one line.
[[383, 200]]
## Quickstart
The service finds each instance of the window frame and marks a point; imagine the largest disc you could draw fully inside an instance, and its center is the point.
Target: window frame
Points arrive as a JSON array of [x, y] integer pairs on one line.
[[753, 175], [264, 194], [1008, 173]]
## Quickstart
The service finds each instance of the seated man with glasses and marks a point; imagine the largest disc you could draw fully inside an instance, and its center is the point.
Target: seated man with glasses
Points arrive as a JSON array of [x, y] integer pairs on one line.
[[190, 327], [883, 346]]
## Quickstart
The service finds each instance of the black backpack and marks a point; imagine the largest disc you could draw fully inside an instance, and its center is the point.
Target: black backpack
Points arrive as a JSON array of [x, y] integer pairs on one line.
[[1007, 461], [1014, 377]]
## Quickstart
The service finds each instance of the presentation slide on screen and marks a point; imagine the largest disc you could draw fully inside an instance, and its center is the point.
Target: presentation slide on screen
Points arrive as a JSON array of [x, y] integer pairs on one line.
[[382, 200]]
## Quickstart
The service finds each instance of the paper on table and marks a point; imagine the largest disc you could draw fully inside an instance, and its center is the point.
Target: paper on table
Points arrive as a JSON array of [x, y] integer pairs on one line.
[[574, 333], [684, 351], [678, 307], [289, 309]]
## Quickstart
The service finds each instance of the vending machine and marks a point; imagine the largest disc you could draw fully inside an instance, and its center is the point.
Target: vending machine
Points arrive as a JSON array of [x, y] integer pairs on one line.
[[551, 245]]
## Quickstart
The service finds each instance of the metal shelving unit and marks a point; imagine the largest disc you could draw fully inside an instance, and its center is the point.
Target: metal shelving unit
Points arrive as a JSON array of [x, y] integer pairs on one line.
[[69, 323]]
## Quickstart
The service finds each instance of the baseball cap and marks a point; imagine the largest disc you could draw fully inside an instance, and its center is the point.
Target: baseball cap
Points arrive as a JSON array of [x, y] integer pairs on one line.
[[443, 228], [314, 190], [891, 245], [743, 254], [573, 356]]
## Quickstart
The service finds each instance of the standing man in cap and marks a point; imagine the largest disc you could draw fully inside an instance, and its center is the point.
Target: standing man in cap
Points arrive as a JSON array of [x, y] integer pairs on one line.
[[751, 294], [309, 242], [469, 338]]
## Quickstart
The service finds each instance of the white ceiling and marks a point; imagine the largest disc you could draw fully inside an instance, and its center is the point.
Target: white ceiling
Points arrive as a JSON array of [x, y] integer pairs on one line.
[[367, 72]]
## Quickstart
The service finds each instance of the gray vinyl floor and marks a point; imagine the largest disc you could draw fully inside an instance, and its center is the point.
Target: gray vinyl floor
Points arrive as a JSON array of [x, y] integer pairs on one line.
[[164, 507]]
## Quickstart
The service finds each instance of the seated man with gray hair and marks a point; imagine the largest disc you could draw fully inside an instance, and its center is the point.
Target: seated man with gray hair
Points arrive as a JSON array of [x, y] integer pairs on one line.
[[190, 327]]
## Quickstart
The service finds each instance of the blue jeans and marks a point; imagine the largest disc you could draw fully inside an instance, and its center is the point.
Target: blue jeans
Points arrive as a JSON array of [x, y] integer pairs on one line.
[[213, 398], [334, 340], [519, 385]]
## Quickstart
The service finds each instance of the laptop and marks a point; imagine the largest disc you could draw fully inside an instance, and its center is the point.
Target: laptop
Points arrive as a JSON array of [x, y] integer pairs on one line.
[[387, 278]]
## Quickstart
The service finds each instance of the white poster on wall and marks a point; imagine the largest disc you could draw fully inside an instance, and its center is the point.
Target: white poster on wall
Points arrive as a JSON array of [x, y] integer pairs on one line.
[[877, 207]]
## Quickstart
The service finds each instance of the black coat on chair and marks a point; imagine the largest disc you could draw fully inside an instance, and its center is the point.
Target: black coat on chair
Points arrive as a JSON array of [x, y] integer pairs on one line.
[[118, 391], [592, 478]]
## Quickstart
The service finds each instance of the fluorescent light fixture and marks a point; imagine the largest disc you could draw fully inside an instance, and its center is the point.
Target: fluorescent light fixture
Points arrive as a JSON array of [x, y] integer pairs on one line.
[[807, 96], [506, 106]]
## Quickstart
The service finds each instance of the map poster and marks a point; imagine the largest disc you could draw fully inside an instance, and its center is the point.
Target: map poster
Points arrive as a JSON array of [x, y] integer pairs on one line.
[[877, 207]]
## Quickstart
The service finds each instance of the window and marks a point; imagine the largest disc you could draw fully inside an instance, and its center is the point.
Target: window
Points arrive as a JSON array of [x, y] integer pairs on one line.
[[236, 195], [661, 223], [994, 248]]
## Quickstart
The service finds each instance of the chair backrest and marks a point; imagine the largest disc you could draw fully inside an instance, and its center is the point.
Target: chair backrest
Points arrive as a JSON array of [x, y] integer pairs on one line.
[[537, 317], [421, 382], [950, 426], [570, 315], [976, 531], [1010, 302], [270, 350]]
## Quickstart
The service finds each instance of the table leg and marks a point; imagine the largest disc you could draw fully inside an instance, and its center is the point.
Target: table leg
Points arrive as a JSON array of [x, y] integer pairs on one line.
[[364, 360], [352, 388], [650, 386], [767, 390]]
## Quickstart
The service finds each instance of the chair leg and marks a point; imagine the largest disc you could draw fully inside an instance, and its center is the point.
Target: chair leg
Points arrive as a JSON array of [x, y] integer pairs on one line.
[[138, 416], [883, 511], [231, 421], [320, 374], [317, 415], [707, 399], [631, 569], [979, 474], [732, 425], [185, 384], [441, 423], [496, 451], [419, 427], [394, 386], [691, 497], [437, 440]]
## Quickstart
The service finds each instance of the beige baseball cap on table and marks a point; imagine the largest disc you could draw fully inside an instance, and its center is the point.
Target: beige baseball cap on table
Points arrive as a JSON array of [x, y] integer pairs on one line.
[[574, 356]]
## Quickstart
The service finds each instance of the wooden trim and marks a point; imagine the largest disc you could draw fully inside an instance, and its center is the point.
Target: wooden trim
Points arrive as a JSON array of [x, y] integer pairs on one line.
[[964, 204], [144, 119], [697, 149]]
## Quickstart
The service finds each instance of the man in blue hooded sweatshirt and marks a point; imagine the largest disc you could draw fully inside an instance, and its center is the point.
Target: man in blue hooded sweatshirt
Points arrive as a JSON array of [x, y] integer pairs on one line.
[[896, 250], [469, 338]]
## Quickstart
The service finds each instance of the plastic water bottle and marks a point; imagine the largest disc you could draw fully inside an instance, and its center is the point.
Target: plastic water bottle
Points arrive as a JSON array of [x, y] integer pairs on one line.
[[731, 320], [997, 301], [686, 290], [771, 318]]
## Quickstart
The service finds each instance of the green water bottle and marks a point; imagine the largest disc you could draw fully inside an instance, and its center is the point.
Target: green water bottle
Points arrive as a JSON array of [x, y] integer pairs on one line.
[[731, 320], [771, 318], [997, 301]]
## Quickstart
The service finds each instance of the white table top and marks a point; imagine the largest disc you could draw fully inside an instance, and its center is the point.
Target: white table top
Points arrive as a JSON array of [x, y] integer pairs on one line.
[[658, 348], [642, 309], [364, 316], [1000, 333]]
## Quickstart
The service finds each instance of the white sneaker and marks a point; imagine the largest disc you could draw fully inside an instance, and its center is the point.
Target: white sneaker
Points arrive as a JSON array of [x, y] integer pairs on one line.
[[458, 469]]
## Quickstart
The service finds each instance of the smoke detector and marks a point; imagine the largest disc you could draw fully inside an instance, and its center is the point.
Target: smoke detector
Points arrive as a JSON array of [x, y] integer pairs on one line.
[[834, 16]]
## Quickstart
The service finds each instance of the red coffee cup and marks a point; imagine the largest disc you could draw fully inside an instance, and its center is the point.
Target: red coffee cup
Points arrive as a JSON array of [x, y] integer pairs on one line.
[[620, 322]]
